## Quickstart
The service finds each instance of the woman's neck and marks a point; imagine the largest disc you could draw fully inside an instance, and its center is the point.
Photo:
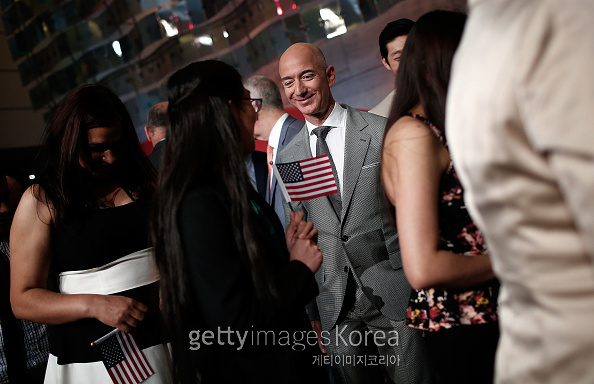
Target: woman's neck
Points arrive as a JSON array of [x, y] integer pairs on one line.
[[109, 195]]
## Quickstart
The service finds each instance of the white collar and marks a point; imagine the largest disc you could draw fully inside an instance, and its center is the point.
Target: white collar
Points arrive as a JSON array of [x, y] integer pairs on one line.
[[337, 118]]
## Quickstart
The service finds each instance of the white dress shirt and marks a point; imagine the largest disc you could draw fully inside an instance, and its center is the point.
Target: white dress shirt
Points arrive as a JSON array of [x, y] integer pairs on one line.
[[335, 139]]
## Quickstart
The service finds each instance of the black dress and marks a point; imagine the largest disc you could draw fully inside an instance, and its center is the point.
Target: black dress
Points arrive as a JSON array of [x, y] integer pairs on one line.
[[252, 342]]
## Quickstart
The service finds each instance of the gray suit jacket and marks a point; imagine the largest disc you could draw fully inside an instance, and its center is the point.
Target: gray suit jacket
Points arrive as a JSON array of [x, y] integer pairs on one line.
[[273, 194], [363, 239]]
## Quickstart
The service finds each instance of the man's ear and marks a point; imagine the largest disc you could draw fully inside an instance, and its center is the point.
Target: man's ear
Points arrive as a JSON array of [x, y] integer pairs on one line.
[[148, 134], [385, 63], [331, 75]]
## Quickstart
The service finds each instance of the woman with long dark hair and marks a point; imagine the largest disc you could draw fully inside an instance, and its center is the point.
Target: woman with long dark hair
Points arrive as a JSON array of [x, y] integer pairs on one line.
[[444, 256], [85, 224], [233, 285]]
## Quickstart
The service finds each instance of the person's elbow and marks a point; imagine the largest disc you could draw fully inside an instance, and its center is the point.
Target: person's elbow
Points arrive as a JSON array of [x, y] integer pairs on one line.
[[18, 302], [420, 276], [18, 308], [418, 281]]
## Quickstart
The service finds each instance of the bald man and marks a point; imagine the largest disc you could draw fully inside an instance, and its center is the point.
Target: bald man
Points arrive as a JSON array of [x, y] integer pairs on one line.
[[156, 131], [364, 294]]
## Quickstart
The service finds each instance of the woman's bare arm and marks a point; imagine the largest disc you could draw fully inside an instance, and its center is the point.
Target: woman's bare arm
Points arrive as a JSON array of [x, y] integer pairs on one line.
[[413, 162], [31, 252]]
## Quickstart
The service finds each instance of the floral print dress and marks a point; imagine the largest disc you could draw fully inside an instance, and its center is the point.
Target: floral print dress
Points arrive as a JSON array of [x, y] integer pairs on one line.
[[434, 309]]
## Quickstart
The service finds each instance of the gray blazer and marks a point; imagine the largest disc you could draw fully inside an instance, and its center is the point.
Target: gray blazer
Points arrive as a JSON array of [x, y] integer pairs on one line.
[[273, 195], [363, 239]]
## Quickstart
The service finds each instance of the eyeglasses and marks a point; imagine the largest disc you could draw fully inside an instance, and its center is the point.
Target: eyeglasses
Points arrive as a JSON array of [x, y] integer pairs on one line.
[[256, 103]]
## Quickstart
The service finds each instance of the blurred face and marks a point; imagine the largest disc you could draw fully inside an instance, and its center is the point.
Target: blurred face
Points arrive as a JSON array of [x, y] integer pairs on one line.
[[307, 83], [104, 146], [245, 116], [10, 193], [395, 48]]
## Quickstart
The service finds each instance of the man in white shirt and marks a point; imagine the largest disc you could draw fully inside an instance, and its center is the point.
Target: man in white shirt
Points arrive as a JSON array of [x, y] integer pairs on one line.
[[276, 127], [360, 310], [391, 43]]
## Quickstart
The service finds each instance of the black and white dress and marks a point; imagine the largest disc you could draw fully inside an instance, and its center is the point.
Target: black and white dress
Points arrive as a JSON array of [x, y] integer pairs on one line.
[[105, 252]]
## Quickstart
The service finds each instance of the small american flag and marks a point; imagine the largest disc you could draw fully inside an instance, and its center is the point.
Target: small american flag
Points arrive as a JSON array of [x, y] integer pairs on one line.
[[306, 179], [125, 362]]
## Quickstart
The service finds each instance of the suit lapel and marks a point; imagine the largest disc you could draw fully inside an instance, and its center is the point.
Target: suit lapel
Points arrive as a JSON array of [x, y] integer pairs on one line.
[[356, 145]]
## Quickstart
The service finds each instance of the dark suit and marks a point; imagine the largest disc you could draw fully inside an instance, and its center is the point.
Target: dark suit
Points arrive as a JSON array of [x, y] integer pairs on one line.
[[290, 128], [157, 154], [361, 244], [261, 171]]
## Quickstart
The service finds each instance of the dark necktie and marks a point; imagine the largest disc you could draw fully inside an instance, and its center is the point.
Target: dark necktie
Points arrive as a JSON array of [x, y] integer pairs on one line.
[[322, 149]]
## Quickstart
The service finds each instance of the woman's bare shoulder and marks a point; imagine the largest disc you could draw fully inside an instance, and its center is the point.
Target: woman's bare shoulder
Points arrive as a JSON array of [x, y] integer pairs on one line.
[[34, 201], [405, 132]]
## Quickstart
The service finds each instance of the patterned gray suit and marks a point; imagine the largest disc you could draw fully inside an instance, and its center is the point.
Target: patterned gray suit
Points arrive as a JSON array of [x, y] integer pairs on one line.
[[364, 242]]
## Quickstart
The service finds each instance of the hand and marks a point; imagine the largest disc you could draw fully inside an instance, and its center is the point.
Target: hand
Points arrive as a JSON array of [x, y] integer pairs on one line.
[[316, 325], [299, 229], [308, 253], [118, 311]]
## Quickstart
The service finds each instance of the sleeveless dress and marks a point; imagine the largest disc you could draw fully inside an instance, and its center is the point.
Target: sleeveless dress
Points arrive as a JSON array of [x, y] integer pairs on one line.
[[105, 252], [435, 309]]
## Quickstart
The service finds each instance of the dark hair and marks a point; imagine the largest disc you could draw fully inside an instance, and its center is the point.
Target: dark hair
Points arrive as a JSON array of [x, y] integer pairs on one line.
[[63, 180], [204, 149], [392, 30], [425, 66]]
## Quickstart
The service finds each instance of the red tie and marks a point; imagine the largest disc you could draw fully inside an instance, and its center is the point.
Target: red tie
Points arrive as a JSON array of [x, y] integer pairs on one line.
[[269, 152]]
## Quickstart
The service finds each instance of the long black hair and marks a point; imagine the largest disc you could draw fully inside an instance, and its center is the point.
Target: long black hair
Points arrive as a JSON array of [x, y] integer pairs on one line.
[[203, 148], [424, 72], [61, 176]]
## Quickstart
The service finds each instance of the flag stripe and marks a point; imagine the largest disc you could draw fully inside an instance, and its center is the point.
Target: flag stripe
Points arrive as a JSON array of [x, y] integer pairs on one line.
[[304, 192], [139, 355], [133, 361], [314, 160], [147, 369], [312, 195], [142, 358], [316, 173], [304, 184], [311, 186], [113, 376], [128, 368], [129, 378], [320, 167], [121, 374]]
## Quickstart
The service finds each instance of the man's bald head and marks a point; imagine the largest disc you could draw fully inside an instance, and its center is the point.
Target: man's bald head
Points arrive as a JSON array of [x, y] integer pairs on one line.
[[313, 52], [306, 80]]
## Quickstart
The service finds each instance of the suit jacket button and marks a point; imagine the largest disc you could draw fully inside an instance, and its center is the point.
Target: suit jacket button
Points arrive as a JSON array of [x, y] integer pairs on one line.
[[344, 238], [346, 269]]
